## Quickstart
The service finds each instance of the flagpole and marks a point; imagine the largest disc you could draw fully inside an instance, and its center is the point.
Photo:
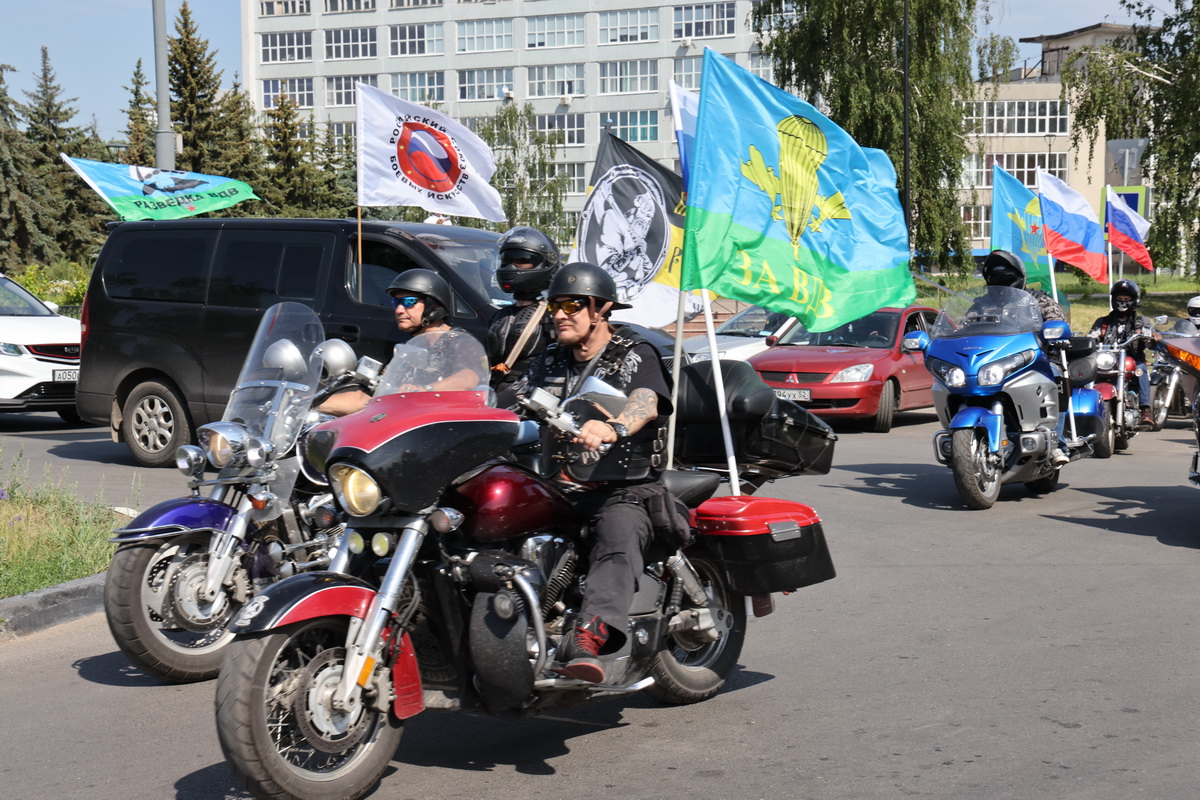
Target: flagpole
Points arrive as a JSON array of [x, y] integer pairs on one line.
[[359, 241], [719, 386], [675, 378]]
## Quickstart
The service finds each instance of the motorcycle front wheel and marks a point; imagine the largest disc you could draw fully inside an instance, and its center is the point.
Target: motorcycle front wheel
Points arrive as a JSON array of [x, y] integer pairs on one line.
[[975, 476], [1105, 443], [155, 611], [687, 670], [1158, 404], [276, 723]]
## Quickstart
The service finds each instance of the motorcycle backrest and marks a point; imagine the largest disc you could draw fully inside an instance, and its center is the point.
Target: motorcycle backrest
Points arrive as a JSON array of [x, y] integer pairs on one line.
[[746, 396]]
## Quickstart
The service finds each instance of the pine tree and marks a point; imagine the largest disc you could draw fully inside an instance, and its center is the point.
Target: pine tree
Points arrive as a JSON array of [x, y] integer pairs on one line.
[[531, 186], [195, 92], [239, 154], [27, 223], [140, 116], [338, 180], [292, 178]]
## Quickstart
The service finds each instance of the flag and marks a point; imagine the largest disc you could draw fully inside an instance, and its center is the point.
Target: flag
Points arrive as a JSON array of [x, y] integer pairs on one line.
[[631, 224], [1072, 231], [410, 155], [1127, 229], [785, 210], [685, 107], [1017, 228], [149, 193]]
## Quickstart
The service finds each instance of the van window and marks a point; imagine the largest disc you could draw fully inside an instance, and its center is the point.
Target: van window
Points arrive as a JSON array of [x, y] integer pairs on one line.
[[159, 265], [255, 269]]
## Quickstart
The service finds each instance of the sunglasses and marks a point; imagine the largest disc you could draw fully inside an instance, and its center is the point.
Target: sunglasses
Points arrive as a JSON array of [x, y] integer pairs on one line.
[[408, 301], [570, 306]]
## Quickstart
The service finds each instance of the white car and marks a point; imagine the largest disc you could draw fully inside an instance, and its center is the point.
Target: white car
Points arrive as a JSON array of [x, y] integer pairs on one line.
[[39, 354], [743, 335]]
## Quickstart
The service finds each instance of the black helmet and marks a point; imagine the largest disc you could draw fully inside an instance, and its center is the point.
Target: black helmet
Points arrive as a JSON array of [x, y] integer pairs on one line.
[[429, 285], [1002, 268], [526, 244], [585, 280], [1126, 287]]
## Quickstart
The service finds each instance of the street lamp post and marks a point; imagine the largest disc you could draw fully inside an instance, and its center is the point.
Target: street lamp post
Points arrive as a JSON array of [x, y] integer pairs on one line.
[[1049, 137]]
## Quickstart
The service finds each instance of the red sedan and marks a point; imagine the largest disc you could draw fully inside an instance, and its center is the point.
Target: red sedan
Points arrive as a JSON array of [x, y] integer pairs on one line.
[[857, 370]]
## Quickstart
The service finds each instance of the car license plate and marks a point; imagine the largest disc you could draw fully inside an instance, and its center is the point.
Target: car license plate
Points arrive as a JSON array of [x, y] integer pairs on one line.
[[801, 395], [66, 375]]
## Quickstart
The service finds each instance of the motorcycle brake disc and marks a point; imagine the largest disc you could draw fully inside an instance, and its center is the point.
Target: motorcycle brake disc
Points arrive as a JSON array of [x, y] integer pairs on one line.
[[184, 604], [324, 728]]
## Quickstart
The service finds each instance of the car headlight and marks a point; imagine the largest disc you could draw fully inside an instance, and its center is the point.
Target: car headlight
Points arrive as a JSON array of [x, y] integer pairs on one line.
[[946, 372], [11, 349], [856, 374], [703, 355], [1106, 360], [357, 491], [994, 373]]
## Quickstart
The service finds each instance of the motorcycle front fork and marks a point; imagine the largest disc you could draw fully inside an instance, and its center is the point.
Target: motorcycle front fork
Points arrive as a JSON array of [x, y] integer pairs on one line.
[[223, 554]]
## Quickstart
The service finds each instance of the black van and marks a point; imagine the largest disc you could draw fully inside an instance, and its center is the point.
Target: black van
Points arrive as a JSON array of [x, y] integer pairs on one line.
[[172, 307]]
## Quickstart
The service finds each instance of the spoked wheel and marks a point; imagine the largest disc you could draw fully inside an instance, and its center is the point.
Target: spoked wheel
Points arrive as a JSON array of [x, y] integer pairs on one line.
[[1158, 404], [976, 473], [690, 667], [1106, 440], [153, 599], [278, 725]]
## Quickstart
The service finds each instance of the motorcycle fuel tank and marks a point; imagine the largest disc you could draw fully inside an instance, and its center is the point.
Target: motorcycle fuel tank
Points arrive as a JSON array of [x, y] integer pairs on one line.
[[504, 501]]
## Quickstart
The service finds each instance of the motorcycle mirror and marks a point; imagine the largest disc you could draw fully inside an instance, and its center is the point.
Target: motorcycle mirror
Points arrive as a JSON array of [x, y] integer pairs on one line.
[[286, 357], [337, 357], [1161, 319]]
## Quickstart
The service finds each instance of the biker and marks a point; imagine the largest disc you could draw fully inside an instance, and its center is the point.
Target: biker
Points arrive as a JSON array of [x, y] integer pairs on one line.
[[1193, 315], [616, 492], [1118, 325], [528, 260], [423, 301]]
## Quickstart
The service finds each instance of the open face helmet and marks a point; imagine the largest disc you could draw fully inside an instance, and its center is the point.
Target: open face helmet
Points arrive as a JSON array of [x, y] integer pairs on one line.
[[585, 280], [428, 285]]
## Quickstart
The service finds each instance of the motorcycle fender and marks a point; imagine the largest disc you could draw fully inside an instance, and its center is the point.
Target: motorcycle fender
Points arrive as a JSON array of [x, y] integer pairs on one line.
[[305, 596], [1088, 402], [976, 417], [1107, 391], [406, 682], [170, 518]]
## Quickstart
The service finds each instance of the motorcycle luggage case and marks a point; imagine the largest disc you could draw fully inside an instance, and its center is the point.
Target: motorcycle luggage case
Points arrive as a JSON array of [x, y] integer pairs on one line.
[[772, 437], [765, 544]]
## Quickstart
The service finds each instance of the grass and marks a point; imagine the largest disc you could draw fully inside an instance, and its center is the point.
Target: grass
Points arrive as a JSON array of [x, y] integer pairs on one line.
[[47, 535]]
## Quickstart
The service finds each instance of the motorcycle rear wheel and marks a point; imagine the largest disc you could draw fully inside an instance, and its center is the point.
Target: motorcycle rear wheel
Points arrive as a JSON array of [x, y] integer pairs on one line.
[[277, 728], [155, 616], [687, 671], [977, 481]]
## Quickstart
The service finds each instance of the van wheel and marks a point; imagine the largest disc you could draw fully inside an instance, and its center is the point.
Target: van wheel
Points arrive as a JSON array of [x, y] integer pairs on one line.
[[154, 424]]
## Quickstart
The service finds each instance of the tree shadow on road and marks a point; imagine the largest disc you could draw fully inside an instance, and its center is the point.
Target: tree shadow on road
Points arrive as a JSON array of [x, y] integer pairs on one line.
[[1166, 513], [912, 484]]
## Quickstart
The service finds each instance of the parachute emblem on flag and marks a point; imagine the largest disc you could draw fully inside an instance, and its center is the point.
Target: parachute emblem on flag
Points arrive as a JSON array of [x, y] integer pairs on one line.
[[628, 210]]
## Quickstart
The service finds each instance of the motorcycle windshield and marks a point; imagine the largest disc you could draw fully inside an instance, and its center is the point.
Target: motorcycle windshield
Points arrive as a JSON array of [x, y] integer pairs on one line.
[[443, 361], [280, 376], [998, 311]]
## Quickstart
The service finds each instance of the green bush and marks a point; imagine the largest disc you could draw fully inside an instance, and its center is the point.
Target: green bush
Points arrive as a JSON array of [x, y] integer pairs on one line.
[[63, 282]]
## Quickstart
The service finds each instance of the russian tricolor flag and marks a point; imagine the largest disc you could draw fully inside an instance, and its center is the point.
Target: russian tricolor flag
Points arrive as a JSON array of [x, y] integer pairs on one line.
[[1127, 229], [1073, 234]]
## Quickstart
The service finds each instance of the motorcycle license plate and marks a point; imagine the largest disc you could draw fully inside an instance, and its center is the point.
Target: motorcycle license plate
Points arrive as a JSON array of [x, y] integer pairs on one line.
[[66, 375], [800, 395]]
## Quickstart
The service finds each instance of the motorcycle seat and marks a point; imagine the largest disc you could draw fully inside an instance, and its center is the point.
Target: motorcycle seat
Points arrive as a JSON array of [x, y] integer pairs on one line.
[[691, 487]]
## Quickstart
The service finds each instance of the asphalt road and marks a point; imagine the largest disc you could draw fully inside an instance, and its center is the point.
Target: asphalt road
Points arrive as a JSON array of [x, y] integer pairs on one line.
[[1045, 648]]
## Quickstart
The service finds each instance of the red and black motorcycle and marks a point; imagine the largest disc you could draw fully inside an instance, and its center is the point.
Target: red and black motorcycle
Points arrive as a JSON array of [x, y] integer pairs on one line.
[[463, 566], [1116, 380]]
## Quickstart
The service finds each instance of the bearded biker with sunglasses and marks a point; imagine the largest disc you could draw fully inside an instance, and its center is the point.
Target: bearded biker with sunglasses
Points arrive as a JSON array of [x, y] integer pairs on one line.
[[617, 491]]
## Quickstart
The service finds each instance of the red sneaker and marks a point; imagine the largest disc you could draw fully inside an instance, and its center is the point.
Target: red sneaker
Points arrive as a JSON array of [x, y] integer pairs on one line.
[[580, 652]]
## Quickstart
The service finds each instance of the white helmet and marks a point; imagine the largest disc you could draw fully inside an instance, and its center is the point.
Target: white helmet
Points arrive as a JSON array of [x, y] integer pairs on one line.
[[1193, 310]]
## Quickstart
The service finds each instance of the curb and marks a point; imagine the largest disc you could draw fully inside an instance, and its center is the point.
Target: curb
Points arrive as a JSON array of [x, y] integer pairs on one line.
[[45, 608]]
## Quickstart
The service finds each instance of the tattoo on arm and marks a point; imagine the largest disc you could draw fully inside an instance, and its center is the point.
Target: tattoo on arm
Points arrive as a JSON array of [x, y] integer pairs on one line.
[[642, 407]]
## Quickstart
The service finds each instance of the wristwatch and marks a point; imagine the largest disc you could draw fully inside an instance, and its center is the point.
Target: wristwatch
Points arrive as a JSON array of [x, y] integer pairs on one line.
[[620, 430]]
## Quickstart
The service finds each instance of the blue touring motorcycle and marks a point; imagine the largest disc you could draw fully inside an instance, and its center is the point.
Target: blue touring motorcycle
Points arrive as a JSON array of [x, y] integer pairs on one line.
[[1009, 390]]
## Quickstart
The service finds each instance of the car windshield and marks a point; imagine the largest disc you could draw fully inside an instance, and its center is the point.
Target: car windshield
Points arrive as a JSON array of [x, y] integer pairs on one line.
[[754, 321], [16, 301], [876, 330], [475, 260]]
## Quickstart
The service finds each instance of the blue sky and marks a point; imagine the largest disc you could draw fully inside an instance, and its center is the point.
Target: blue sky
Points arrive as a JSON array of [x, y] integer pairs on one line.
[[95, 44]]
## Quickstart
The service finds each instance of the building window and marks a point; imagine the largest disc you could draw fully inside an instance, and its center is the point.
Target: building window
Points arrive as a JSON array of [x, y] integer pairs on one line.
[[339, 90], [977, 170], [284, 8], [278, 48], [344, 43], [423, 39], [640, 25], [561, 31], [575, 172], [703, 21], [300, 90], [415, 3], [761, 66], [1016, 117], [340, 6], [343, 134], [484, 84], [484, 35], [420, 87], [978, 220], [628, 76], [687, 71], [636, 126], [569, 125], [555, 80]]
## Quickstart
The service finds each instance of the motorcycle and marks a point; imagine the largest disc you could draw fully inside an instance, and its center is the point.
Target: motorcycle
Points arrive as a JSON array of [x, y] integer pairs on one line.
[[1171, 386], [185, 567], [1004, 403], [463, 567], [1184, 353], [1116, 381]]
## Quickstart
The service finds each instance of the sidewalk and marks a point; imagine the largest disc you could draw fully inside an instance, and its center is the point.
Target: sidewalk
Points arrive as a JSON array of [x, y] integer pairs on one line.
[[45, 608]]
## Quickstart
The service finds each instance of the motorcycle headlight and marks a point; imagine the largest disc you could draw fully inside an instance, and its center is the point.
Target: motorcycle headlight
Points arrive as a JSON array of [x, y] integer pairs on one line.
[[221, 450], [947, 373], [357, 491], [856, 374], [994, 373], [1106, 360]]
